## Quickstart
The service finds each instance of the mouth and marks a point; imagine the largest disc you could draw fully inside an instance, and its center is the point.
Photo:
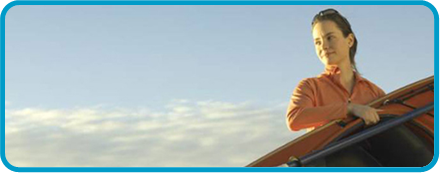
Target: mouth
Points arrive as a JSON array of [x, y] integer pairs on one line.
[[327, 54]]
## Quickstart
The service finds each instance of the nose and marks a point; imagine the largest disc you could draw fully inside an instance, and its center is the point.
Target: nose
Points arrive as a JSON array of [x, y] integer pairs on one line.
[[324, 45]]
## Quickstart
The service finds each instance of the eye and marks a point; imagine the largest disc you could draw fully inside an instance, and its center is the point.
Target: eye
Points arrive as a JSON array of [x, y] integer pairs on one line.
[[330, 37], [317, 43]]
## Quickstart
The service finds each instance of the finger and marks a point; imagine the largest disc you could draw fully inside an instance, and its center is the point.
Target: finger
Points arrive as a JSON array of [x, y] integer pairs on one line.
[[379, 110], [372, 121], [375, 121], [369, 119], [366, 122], [375, 117]]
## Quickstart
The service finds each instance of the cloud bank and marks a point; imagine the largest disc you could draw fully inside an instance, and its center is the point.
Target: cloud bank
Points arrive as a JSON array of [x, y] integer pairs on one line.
[[186, 134]]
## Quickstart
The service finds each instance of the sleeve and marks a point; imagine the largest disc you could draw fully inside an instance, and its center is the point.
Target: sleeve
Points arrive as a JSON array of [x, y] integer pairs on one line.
[[377, 90], [302, 112], [380, 92]]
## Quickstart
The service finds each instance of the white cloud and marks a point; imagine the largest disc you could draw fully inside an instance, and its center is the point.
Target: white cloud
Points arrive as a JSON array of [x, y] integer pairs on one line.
[[204, 133], [7, 103]]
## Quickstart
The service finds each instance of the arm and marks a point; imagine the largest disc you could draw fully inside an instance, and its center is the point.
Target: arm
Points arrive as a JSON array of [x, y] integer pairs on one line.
[[302, 112], [368, 114]]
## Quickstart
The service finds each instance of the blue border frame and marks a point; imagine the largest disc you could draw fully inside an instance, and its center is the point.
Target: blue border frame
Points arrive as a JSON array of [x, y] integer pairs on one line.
[[212, 169]]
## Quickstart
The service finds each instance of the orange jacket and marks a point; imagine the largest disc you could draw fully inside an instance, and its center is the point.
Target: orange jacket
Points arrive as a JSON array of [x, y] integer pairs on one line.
[[319, 100]]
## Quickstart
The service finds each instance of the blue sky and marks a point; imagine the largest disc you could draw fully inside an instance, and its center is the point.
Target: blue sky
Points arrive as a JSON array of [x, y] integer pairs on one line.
[[181, 73]]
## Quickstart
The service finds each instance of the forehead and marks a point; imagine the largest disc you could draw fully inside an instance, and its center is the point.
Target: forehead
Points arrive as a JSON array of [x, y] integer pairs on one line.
[[324, 28]]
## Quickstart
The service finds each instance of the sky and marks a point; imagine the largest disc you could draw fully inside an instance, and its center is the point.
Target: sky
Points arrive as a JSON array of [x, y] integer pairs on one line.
[[180, 85]]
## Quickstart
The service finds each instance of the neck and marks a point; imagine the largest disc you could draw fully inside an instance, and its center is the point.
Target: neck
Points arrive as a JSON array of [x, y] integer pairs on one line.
[[347, 74]]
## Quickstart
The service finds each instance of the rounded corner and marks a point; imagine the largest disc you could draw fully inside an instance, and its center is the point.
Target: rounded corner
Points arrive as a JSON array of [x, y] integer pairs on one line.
[[7, 164], [432, 8], [7, 8], [431, 164]]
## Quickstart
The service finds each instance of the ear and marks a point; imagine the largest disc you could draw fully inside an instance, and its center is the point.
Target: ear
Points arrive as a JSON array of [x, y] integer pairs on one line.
[[350, 39]]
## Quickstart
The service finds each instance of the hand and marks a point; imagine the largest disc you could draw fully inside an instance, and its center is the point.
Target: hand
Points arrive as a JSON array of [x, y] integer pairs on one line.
[[368, 114]]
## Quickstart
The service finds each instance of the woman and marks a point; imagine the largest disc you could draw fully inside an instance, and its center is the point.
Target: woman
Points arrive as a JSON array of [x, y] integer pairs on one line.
[[339, 91]]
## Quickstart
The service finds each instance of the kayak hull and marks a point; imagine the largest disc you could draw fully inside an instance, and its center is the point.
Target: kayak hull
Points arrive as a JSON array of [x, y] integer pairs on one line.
[[410, 144]]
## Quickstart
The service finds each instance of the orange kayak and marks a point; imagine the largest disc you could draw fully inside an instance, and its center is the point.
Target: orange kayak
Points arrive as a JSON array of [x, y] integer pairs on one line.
[[403, 138]]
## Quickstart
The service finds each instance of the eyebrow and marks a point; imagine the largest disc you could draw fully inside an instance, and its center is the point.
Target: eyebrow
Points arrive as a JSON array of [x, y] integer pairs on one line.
[[325, 35]]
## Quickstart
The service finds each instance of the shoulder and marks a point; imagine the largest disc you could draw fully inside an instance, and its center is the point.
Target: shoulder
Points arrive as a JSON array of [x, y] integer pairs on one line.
[[368, 82], [315, 82], [309, 82], [373, 87], [309, 85]]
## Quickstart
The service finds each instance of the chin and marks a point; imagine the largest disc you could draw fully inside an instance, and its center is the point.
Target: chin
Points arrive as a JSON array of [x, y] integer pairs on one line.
[[331, 61], [327, 61]]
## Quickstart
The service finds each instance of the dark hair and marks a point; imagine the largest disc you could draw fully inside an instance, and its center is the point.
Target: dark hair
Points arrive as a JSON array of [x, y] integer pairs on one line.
[[343, 25]]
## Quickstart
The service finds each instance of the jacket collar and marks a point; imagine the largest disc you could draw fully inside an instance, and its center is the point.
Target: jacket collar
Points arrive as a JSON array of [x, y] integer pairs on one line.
[[333, 72]]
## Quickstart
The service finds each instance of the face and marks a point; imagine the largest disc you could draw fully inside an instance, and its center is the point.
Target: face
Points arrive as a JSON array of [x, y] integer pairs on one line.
[[331, 46]]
